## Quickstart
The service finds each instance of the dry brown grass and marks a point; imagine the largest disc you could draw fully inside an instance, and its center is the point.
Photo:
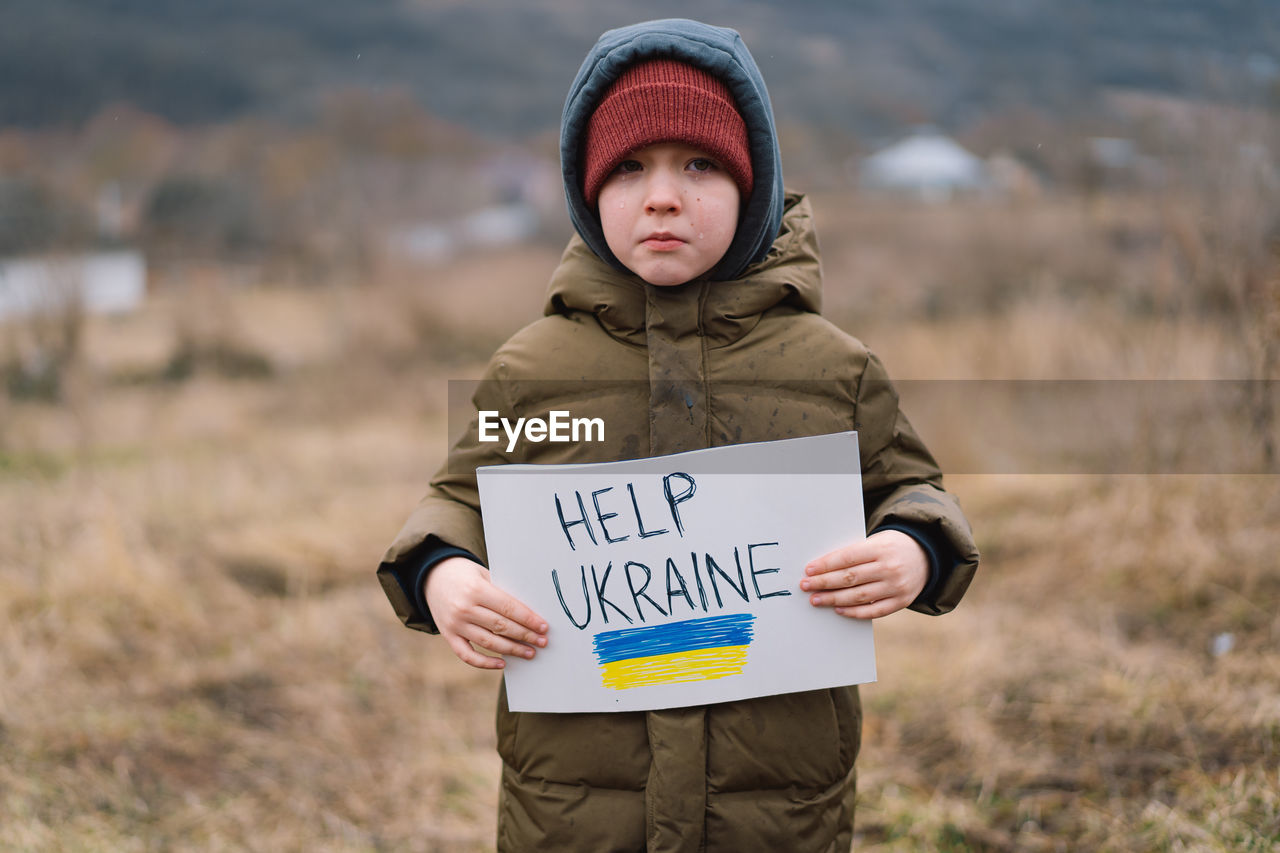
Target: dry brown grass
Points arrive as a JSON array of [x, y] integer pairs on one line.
[[1074, 701], [194, 653]]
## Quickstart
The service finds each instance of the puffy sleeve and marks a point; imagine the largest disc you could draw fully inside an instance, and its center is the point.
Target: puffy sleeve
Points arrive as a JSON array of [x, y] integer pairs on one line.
[[447, 519], [902, 488]]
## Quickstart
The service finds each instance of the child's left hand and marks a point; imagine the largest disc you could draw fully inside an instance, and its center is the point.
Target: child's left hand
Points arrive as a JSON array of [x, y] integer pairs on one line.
[[877, 576]]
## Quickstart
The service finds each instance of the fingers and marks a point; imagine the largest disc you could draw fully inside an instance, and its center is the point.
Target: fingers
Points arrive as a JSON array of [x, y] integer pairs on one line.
[[508, 617], [874, 610], [867, 593], [868, 579], [865, 601], [853, 554], [476, 630], [474, 598], [839, 578], [496, 633], [476, 640], [478, 619], [468, 655], [503, 625]]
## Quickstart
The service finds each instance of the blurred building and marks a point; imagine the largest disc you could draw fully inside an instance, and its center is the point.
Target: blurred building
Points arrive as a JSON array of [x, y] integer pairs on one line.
[[927, 165], [99, 283], [491, 227], [526, 192]]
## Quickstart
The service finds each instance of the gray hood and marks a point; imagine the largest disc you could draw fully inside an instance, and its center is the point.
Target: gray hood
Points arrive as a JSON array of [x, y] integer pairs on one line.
[[718, 51]]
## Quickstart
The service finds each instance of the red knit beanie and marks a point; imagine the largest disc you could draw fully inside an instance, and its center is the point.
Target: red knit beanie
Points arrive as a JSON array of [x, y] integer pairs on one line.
[[664, 100]]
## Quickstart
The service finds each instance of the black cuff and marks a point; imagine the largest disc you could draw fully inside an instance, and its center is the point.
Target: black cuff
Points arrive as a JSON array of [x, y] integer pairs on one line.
[[933, 551], [430, 557], [402, 581]]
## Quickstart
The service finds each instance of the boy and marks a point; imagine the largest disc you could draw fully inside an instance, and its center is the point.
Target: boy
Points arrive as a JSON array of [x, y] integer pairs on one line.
[[684, 314]]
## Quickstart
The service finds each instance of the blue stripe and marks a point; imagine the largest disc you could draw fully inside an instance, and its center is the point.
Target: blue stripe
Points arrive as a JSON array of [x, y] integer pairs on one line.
[[708, 633]]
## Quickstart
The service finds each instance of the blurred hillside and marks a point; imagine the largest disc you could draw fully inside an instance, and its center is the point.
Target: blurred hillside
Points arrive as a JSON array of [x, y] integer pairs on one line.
[[317, 133], [502, 67]]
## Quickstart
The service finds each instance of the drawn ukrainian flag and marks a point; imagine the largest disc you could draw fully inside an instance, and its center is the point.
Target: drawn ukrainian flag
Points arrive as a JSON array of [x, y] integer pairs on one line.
[[692, 650]]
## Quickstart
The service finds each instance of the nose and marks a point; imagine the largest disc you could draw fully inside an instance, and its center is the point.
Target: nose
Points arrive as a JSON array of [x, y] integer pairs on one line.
[[663, 193]]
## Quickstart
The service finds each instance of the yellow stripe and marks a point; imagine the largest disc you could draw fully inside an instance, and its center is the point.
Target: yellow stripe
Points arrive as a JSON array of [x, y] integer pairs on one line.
[[696, 665]]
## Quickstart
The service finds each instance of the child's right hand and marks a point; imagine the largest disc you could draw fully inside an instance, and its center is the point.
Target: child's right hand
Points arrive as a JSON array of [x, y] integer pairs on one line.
[[473, 614]]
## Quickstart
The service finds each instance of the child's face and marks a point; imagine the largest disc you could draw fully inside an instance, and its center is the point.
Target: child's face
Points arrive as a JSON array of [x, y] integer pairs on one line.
[[669, 212]]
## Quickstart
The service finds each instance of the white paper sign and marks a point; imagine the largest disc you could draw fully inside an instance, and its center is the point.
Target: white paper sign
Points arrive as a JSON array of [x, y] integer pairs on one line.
[[674, 580]]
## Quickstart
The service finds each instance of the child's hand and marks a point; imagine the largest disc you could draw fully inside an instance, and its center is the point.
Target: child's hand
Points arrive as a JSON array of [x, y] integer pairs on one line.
[[866, 580], [472, 614]]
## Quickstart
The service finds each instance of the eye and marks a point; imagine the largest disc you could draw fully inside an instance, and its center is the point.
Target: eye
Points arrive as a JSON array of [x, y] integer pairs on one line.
[[701, 164], [628, 166]]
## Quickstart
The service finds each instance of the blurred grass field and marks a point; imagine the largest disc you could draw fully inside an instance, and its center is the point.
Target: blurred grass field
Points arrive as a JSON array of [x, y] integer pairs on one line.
[[195, 655]]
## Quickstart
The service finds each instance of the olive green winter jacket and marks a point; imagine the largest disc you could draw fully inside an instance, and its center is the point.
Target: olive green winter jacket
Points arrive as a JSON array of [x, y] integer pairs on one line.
[[670, 369]]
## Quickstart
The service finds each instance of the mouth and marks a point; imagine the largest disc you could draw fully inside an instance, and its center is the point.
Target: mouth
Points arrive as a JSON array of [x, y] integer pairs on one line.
[[662, 241]]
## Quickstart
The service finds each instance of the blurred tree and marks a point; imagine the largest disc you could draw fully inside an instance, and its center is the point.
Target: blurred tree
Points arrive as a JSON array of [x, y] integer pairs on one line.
[[34, 219], [196, 213], [124, 144]]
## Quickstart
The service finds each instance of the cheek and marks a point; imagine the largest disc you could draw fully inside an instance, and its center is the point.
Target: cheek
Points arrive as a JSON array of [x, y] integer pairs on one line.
[[615, 218], [717, 211], [718, 220]]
